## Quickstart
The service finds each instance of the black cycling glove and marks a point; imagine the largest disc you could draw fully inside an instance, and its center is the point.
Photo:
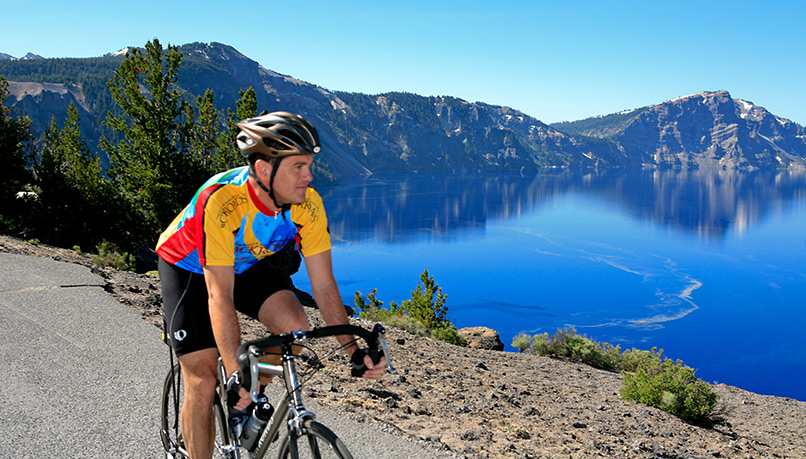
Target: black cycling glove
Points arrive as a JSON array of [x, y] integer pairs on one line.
[[234, 384], [357, 360]]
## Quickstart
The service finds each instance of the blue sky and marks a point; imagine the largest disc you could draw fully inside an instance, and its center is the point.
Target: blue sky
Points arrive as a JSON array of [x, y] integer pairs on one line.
[[553, 60]]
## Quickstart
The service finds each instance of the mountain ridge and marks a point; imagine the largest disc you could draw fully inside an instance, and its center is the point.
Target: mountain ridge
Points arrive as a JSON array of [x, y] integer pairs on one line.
[[399, 132]]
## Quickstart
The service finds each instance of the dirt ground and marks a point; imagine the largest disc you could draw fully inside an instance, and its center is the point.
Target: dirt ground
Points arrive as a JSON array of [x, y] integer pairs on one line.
[[478, 404]]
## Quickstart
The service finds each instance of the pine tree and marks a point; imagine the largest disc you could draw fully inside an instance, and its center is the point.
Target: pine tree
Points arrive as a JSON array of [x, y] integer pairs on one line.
[[14, 135], [205, 132], [228, 154], [76, 204], [149, 165]]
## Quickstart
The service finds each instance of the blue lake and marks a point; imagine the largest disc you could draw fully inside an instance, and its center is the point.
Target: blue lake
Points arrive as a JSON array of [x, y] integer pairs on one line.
[[708, 267]]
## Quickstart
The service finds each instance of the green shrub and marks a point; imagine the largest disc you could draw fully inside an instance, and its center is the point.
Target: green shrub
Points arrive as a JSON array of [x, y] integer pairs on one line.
[[649, 378], [522, 342], [424, 314], [672, 387], [539, 341], [109, 255], [568, 344], [427, 303], [634, 359], [447, 332]]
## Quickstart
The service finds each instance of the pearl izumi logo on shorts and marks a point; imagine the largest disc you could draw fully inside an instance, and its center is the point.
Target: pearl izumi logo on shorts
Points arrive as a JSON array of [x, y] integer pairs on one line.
[[180, 335]]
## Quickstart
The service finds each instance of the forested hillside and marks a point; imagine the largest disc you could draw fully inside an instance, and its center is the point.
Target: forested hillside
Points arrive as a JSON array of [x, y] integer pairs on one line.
[[127, 138]]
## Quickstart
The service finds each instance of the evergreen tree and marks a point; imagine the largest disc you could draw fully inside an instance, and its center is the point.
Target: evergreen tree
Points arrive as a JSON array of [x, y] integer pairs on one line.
[[205, 132], [228, 154], [14, 135], [76, 204], [149, 165], [246, 107]]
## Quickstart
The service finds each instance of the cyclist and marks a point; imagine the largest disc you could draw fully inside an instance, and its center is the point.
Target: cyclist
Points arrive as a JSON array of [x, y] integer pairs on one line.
[[210, 263]]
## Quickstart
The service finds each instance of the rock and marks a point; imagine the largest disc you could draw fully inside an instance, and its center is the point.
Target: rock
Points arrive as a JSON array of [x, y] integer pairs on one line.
[[482, 338], [470, 436], [532, 411]]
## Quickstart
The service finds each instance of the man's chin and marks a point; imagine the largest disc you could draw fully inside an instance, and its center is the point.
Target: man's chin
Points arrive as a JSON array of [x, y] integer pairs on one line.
[[297, 199]]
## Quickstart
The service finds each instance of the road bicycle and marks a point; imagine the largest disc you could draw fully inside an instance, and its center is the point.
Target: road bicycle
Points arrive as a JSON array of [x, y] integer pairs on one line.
[[303, 436]]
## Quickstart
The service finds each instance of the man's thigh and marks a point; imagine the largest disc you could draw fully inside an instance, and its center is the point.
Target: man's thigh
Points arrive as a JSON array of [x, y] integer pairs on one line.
[[185, 311], [261, 292]]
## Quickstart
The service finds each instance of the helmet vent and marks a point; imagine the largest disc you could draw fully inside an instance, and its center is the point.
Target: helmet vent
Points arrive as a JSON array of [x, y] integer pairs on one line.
[[292, 136], [273, 144]]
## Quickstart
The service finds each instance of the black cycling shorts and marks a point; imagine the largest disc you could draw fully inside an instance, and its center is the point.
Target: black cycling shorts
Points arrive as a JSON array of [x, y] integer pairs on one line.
[[184, 302]]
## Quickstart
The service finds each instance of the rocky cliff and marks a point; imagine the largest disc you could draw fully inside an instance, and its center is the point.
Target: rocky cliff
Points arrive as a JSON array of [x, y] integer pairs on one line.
[[704, 130], [399, 132]]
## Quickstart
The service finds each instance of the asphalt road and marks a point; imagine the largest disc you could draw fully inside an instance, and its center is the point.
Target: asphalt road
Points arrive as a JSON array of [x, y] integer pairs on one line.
[[81, 374]]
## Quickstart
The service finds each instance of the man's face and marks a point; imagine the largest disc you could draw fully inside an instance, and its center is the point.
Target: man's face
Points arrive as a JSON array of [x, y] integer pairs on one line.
[[292, 179]]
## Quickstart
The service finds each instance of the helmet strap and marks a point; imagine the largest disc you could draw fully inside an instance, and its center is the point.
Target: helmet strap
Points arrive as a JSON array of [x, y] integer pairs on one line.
[[269, 189]]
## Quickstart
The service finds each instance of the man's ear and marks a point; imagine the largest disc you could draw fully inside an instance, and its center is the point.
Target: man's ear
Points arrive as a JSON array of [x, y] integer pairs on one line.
[[264, 167]]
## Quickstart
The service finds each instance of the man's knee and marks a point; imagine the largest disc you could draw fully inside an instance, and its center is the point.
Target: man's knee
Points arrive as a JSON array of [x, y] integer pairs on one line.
[[199, 371], [282, 313]]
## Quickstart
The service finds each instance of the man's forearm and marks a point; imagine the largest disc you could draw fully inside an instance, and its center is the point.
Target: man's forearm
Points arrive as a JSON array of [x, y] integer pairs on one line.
[[227, 332], [333, 312]]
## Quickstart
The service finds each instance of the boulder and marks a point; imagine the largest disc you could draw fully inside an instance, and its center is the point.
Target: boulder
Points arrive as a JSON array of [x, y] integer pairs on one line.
[[482, 338]]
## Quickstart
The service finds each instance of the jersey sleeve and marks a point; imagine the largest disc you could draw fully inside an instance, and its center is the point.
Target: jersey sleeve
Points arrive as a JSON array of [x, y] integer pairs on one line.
[[216, 246], [313, 234]]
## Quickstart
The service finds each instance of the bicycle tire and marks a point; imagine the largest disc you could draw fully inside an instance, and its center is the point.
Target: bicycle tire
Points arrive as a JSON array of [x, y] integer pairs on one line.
[[171, 432], [316, 442]]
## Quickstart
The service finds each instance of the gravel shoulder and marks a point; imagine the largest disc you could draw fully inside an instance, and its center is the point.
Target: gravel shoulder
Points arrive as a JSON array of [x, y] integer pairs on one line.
[[478, 404]]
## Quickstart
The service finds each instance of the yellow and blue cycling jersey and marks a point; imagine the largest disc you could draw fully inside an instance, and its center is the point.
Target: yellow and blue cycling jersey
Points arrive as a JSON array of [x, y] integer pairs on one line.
[[225, 224]]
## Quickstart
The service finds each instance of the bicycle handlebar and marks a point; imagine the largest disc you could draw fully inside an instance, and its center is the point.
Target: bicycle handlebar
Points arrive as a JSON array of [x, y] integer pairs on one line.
[[249, 352]]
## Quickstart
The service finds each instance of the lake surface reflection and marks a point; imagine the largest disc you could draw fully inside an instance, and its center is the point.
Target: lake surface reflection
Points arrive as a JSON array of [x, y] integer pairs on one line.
[[707, 266]]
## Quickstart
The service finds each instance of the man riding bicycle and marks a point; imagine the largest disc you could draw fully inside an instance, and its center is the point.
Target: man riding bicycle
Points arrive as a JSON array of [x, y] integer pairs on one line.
[[210, 263]]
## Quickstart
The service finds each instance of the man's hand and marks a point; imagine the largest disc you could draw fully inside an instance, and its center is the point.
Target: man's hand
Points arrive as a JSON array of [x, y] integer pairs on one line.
[[374, 370], [244, 401], [238, 398], [363, 366]]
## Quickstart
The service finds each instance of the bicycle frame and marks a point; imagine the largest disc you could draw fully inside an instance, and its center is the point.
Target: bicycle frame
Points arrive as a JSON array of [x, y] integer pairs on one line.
[[290, 408], [291, 402], [289, 412]]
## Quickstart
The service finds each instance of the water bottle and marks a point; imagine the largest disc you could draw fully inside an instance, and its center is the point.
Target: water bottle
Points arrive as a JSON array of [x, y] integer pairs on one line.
[[254, 426]]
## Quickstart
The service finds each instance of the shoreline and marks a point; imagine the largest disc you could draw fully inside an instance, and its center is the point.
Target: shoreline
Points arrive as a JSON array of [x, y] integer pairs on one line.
[[474, 403]]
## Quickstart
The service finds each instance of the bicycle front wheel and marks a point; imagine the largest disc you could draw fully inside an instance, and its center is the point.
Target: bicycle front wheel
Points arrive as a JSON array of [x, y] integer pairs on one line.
[[316, 441], [171, 433]]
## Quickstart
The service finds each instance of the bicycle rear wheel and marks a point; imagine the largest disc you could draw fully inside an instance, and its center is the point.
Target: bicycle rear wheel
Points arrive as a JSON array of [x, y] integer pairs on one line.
[[171, 433], [316, 441]]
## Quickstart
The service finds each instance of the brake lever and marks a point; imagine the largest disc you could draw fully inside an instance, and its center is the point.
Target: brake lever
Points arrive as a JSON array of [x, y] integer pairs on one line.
[[380, 332], [386, 356], [254, 373]]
